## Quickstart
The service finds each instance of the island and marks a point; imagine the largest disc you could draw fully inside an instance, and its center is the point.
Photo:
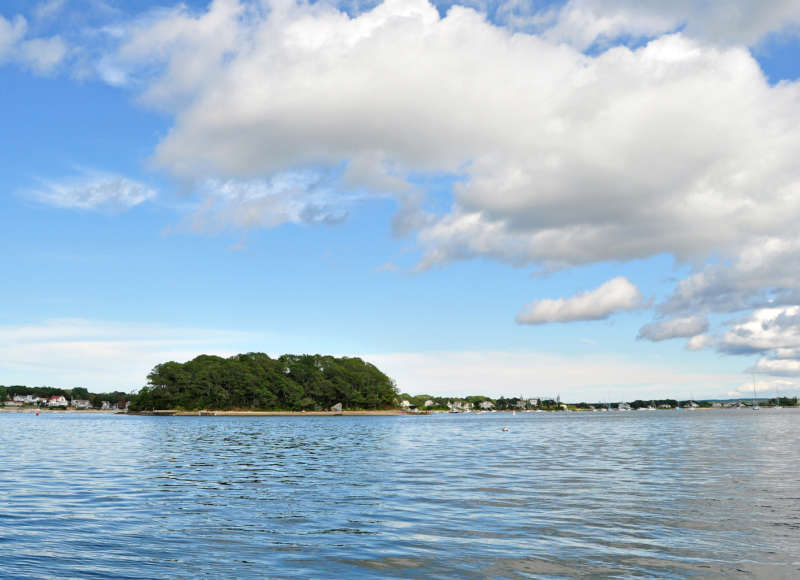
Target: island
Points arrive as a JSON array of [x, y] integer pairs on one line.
[[256, 382]]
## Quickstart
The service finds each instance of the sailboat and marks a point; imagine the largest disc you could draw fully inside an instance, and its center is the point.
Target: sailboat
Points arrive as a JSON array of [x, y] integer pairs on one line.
[[755, 405]]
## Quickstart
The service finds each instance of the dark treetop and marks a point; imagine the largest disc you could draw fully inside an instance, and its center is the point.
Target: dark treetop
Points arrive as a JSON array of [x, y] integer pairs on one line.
[[256, 381]]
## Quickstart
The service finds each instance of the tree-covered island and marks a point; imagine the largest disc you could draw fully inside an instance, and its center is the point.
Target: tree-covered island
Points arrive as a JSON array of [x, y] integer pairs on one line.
[[254, 381]]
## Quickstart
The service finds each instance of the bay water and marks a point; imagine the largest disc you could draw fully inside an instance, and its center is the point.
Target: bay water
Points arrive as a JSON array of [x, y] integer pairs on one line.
[[665, 494]]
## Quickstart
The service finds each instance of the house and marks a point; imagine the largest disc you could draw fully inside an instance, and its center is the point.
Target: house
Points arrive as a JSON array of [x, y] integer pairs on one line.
[[429, 403], [13, 403], [533, 402], [624, 407], [105, 405], [691, 405], [520, 404], [57, 401], [26, 399], [81, 404], [405, 404], [486, 405]]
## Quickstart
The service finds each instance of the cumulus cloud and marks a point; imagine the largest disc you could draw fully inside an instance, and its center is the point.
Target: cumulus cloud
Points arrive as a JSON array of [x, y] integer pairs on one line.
[[562, 158], [41, 55], [94, 190], [613, 296], [765, 329], [685, 327]]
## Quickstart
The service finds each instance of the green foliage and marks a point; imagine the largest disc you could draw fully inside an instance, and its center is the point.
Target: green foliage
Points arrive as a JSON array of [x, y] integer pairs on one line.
[[256, 381]]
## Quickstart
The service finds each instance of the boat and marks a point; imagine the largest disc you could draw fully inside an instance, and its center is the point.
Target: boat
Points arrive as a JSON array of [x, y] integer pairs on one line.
[[755, 405]]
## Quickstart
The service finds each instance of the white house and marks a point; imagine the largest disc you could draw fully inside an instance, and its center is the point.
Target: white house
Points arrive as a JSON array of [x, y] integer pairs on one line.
[[487, 405], [105, 405], [533, 402], [405, 404], [57, 401], [26, 399], [81, 403], [429, 403]]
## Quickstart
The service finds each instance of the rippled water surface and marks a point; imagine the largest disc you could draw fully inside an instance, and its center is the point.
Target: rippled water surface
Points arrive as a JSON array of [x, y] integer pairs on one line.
[[640, 494]]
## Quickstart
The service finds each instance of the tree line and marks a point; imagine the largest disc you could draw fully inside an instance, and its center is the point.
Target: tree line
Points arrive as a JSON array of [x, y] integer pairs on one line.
[[256, 381]]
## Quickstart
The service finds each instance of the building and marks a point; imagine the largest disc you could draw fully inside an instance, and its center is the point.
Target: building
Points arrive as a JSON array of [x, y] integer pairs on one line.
[[105, 405], [81, 404], [26, 399], [486, 405], [429, 403], [57, 401]]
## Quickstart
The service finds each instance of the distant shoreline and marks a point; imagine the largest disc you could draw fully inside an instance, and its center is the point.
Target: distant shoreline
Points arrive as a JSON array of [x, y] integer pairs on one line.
[[46, 410], [205, 413]]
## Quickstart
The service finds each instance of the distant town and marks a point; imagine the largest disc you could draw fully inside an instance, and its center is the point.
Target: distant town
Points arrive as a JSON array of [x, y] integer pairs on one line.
[[21, 397], [481, 404]]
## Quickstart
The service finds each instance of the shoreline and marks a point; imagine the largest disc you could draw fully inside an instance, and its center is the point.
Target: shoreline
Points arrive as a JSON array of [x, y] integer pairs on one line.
[[46, 410], [205, 413]]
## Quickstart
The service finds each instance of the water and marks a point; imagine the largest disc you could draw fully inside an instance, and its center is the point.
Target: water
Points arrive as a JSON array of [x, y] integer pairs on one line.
[[639, 494]]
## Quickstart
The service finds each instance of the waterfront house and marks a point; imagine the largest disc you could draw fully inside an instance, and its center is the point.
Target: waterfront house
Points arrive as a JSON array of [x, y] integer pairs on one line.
[[405, 404], [26, 399], [486, 405], [533, 402], [81, 404], [57, 401], [13, 403], [429, 403]]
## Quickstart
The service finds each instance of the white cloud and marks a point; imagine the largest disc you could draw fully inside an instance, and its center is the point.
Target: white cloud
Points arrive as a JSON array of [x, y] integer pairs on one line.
[[588, 378], [585, 22], [48, 10], [678, 147], [699, 342], [291, 197], [685, 327], [11, 32], [103, 355], [765, 329], [765, 387], [777, 367], [42, 55], [613, 296], [94, 190]]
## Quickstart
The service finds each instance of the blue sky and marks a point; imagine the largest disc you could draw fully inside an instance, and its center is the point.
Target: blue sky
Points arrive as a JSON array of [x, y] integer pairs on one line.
[[592, 198]]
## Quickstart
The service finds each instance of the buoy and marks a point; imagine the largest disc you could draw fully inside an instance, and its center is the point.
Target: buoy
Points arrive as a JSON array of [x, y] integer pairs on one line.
[[37, 413]]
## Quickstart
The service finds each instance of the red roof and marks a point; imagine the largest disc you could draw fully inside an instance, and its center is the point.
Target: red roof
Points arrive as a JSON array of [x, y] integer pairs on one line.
[[54, 397]]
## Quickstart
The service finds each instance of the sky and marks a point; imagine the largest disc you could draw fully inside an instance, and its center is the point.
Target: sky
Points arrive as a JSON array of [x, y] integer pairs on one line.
[[596, 199]]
